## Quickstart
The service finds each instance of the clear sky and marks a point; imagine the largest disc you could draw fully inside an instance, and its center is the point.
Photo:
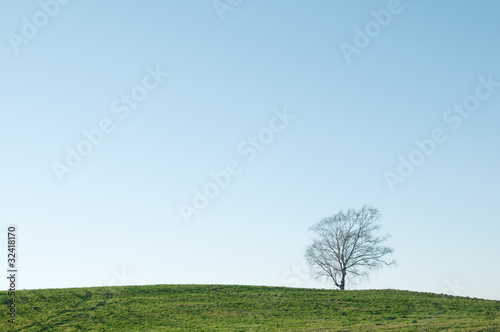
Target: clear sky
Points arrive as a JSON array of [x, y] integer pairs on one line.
[[298, 109]]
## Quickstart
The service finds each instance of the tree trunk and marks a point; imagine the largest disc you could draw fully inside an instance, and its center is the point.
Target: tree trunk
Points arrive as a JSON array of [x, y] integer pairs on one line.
[[342, 280]]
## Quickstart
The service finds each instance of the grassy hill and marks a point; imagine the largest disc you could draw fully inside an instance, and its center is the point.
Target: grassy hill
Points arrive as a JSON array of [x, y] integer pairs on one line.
[[245, 308]]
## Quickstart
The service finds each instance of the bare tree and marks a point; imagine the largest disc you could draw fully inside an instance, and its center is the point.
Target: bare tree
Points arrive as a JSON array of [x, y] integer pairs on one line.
[[346, 246]]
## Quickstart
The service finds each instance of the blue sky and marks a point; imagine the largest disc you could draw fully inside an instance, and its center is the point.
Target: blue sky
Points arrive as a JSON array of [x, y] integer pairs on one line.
[[115, 218]]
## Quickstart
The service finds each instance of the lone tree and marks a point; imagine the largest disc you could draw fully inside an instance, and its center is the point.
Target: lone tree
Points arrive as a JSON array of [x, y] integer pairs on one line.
[[346, 246]]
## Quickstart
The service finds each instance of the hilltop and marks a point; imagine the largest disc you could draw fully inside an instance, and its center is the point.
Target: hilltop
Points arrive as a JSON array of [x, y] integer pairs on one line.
[[246, 308]]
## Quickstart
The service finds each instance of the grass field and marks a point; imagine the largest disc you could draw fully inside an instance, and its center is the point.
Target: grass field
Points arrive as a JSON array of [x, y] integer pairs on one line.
[[245, 308]]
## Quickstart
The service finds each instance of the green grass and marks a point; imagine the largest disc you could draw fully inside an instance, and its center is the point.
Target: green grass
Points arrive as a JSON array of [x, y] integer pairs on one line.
[[245, 308]]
